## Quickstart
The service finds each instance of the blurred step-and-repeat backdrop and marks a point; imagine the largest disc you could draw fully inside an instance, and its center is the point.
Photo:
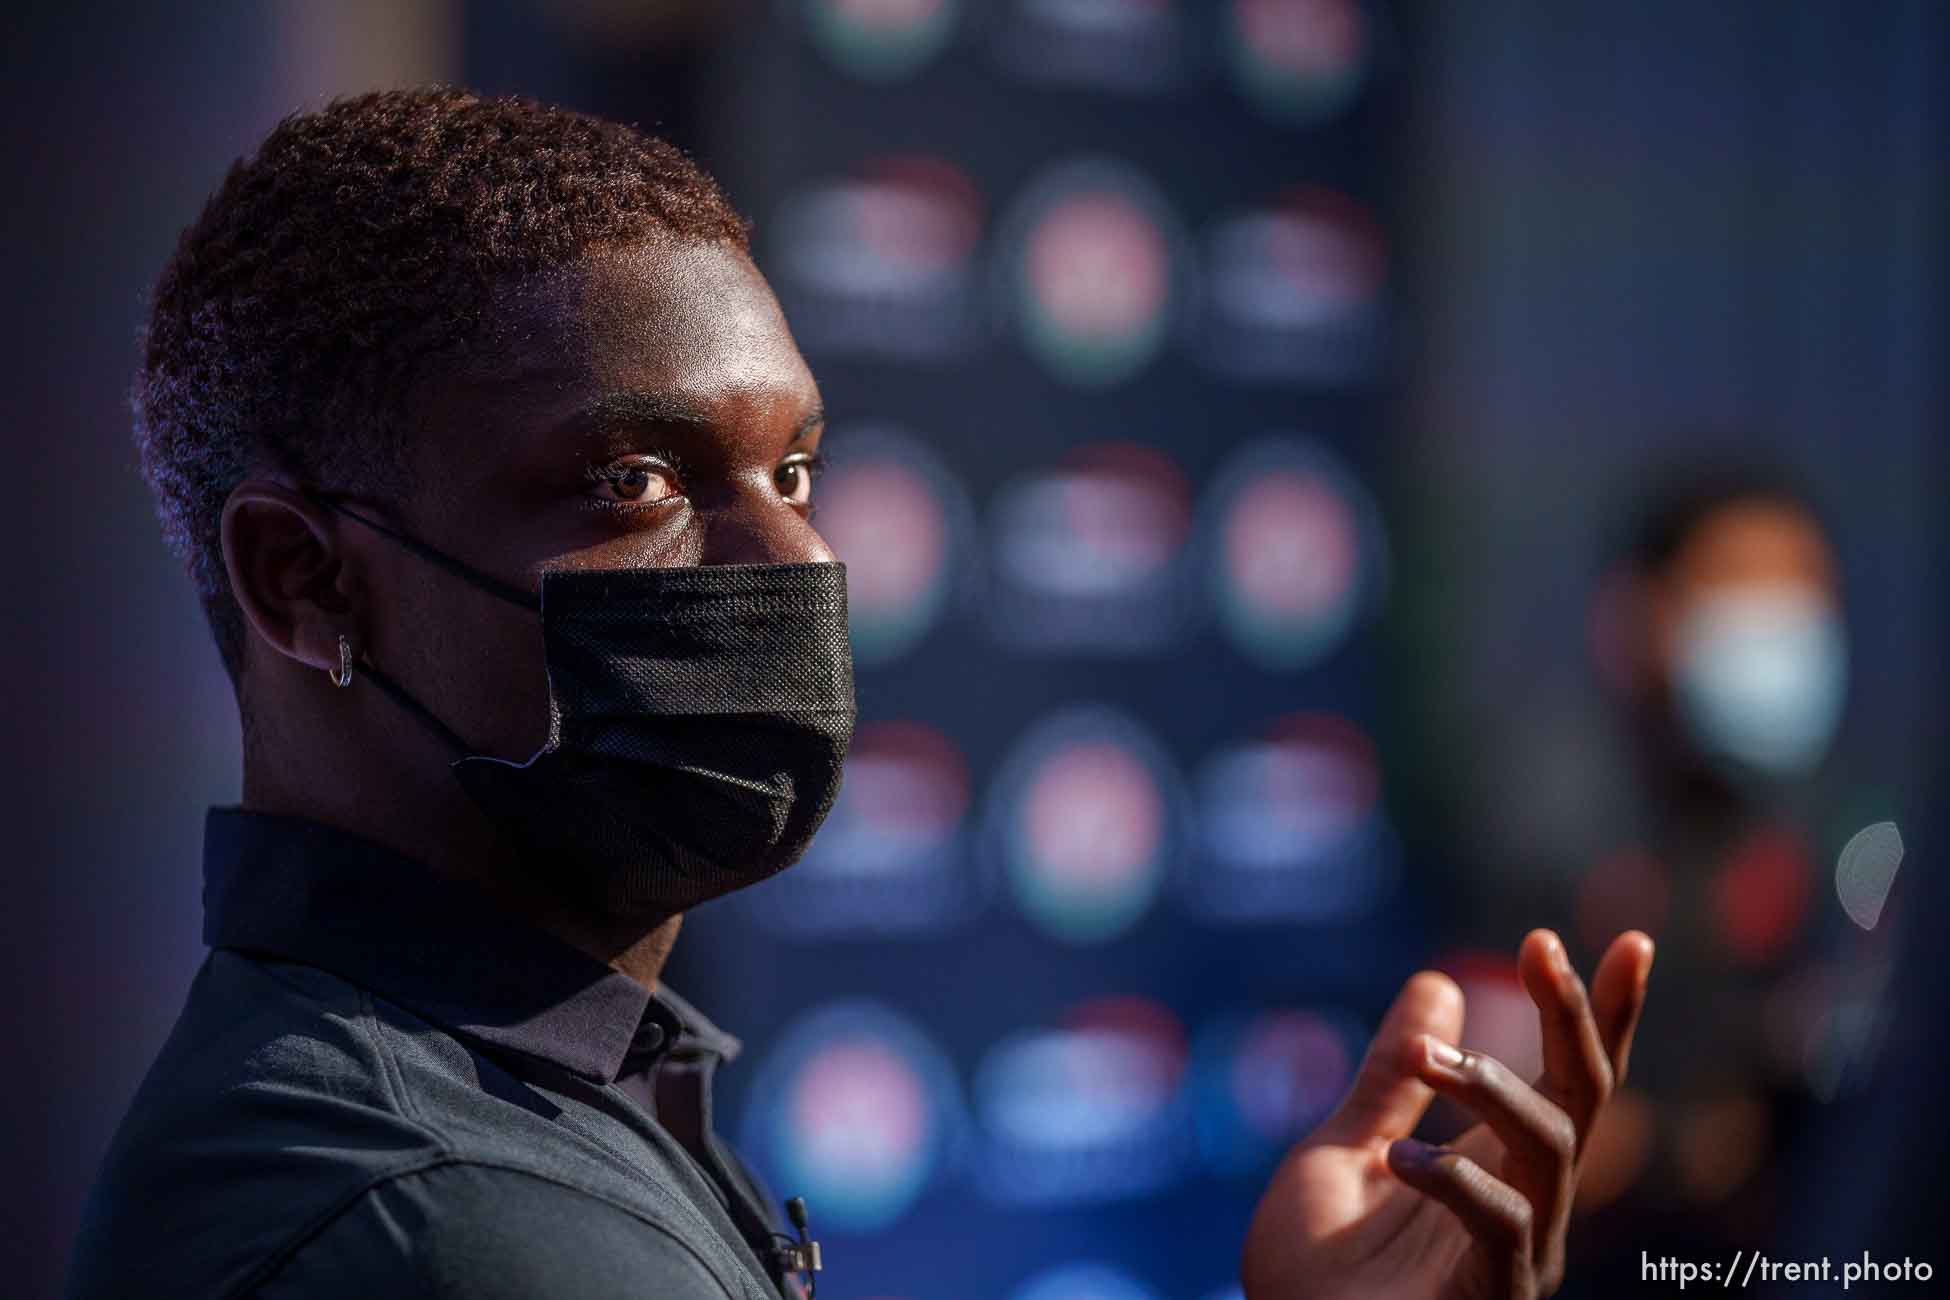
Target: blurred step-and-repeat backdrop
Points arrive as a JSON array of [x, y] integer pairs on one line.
[[1099, 298]]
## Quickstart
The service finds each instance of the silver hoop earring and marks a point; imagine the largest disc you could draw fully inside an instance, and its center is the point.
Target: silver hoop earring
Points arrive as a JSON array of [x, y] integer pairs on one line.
[[343, 677]]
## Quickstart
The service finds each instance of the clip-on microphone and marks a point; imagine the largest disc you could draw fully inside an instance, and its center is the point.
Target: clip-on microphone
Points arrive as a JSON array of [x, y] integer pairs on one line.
[[801, 1256]]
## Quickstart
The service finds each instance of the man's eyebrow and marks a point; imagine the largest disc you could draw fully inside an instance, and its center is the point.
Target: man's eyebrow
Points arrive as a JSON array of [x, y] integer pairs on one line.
[[634, 408], [811, 420]]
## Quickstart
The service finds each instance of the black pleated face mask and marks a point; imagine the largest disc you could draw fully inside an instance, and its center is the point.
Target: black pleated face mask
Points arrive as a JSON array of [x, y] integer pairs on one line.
[[698, 721]]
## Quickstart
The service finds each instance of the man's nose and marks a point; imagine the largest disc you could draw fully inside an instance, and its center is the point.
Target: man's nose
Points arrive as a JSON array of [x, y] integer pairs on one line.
[[753, 530]]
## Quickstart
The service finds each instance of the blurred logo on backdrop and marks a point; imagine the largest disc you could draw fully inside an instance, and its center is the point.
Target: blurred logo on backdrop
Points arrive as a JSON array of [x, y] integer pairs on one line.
[[856, 1110], [899, 520], [881, 40], [1292, 292], [1295, 549], [892, 857], [881, 264], [1083, 1281], [1290, 828], [1260, 1083], [1298, 61], [1132, 46], [1091, 259], [1088, 554], [1084, 1113], [1083, 818]]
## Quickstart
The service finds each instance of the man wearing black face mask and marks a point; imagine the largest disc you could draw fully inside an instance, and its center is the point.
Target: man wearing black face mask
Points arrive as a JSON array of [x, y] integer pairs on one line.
[[492, 458]]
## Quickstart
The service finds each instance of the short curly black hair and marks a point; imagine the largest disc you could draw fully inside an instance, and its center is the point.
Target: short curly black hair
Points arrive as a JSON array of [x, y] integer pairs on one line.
[[357, 246]]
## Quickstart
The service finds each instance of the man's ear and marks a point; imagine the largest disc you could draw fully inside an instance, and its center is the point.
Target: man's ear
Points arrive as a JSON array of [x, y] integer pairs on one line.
[[287, 574]]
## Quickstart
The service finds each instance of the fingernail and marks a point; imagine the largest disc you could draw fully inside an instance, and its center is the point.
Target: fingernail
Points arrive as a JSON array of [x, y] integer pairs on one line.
[[1566, 974], [1408, 1151], [1442, 1055]]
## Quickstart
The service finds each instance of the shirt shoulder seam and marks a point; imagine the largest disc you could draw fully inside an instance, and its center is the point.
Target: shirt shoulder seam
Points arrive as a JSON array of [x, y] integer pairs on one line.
[[275, 1263], [372, 1023], [367, 1022]]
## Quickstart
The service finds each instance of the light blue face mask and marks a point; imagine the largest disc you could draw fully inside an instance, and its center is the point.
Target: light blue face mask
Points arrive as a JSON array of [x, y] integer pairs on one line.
[[1760, 673]]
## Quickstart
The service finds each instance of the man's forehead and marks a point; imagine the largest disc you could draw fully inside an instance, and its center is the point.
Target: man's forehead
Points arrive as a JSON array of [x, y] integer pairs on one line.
[[652, 333], [668, 293]]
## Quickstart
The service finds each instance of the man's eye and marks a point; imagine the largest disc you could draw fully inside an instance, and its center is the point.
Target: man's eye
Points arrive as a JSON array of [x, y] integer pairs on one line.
[[632, 482], [795, 478]]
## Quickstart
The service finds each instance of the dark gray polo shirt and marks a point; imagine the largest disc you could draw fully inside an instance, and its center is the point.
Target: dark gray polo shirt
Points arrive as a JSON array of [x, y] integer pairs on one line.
[[381, 1084]]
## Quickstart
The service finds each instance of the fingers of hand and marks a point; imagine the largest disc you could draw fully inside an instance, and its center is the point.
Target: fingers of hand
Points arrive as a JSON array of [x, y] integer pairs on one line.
[[1578, 1070], [1540, 1138], [1618, 995], [1387, 1100], [1494, 1213]]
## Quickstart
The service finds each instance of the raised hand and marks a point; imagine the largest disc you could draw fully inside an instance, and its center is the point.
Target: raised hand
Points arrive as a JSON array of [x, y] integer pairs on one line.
[[1360, 1209]]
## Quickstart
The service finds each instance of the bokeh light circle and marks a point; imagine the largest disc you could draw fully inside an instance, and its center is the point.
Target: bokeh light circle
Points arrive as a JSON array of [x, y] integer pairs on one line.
[[901, 524], [1299, 61], [1296, 551], [1091, 260], [1084, 818], [881, 40], [857, 1110]]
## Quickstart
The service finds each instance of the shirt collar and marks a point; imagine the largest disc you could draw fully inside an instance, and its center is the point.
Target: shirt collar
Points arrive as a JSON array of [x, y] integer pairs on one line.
[[292, 889]]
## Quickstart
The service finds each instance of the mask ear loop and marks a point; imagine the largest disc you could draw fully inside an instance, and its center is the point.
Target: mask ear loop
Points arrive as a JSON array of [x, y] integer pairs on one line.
[[397, 693], [466, 572], [401, 697]]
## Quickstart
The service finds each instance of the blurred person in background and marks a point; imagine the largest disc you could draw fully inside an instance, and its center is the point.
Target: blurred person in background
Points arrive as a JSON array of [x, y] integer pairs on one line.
[[1722, 643], [1728, 648], [482, 435]]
